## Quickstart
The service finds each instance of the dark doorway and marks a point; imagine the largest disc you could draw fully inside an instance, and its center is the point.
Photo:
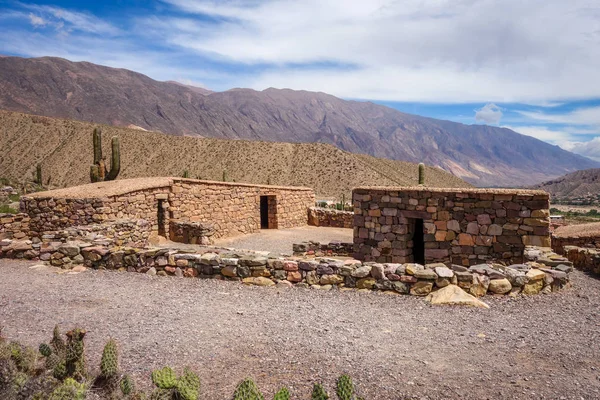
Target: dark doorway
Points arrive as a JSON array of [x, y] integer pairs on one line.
[[161, 218], [419, 243], [264, 212]]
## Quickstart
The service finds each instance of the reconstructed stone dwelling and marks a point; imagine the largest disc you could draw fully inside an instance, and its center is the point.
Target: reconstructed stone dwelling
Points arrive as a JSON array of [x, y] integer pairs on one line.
[[182, 209], [459, 226]]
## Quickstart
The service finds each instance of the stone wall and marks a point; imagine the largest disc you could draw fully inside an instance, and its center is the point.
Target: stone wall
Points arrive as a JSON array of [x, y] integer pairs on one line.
[[560, 243], [544, 272], [231, 208], [461, 226], [585, 259], [318, 216], [234, 209], [14, 226], [190, 232], [317, 249]]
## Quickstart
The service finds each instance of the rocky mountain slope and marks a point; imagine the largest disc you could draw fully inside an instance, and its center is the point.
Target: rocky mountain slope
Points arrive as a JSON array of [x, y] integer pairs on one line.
[[483, 155], [64, 149], [579, 185]]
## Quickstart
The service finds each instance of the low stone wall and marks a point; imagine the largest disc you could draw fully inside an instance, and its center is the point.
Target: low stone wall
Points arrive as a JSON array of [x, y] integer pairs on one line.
[[14, 226], [461, 226], [585, 259], [320, 273], [317, 249], [191, 232], [560, 243], [318, 216]]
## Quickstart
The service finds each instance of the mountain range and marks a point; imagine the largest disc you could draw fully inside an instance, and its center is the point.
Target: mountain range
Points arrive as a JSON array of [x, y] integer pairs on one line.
[[584, 184], [482, 155]]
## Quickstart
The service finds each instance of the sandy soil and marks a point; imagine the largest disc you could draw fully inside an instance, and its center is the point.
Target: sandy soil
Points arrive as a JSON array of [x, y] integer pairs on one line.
[[394, 347], [280, 241], [582, 230]]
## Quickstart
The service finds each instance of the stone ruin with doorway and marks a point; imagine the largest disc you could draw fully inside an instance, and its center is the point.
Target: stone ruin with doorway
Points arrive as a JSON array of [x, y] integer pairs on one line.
[[184, 210], [459, 226]]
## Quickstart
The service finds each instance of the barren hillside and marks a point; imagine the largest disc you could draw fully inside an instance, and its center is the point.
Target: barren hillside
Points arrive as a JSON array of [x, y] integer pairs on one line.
[[482, 155], [64, 148], [580, 185]]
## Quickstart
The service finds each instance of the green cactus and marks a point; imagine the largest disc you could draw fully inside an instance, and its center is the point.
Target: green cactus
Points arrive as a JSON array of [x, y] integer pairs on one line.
[[52, 361], [109, 364], [45, 350], [69, 390], [247, 390], [421, 174], [224, 175], [75, 354], [164, 378], [319, 392], [38, 174], [186, 174], [98, 169], [188, 385], [283, 394], [127, 385], [161, 394], [57, 343], [24, 357], [345, 388], [60, 371]]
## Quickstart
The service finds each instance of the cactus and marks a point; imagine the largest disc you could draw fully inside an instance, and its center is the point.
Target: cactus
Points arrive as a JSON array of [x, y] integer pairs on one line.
[[69, 390], [75, 357], [60, 371], [127, 385], [186, 174], [345, 388], [224, 175], [52, 361], [164, 378], [188, 385], [247, 390], [109, 365], [269, 180], [57, 343], [319, 392], [421, 174], [161, 394], [98, 169], [45, 350], [38, 175], [283, 394]]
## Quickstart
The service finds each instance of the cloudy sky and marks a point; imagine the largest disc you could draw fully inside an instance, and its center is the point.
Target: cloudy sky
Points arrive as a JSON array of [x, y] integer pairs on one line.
[[530, 65]]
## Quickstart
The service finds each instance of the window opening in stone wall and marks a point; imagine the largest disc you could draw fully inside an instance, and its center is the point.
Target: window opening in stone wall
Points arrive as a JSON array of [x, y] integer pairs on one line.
[[264, 212], [161, 218], [419, 243]]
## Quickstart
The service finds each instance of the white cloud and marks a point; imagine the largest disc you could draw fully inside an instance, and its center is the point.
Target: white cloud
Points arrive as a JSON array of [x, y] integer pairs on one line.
[[589, 149], [544, 133], [490, 114], [36, 21], [581, 116], [535, 51]]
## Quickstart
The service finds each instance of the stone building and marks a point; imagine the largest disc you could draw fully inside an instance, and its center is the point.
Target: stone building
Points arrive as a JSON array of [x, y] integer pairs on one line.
[[223, 208], [461, 226]]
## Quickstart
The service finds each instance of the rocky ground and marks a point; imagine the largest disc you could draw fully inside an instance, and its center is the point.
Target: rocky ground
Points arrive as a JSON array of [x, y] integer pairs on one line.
[[545, 346]]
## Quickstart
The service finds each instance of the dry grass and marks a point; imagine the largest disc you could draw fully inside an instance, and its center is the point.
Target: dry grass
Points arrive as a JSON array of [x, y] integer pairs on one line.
[[64, 148]]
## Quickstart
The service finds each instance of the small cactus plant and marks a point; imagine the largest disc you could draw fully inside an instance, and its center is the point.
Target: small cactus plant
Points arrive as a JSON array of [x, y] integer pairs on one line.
[[164, 378], [345, 388], [109, 365], [421, 174], [75, 354], [38, 175], [127, 385], [188, 385], [283, 394], [186, 174], [224, 175], [247, 390], [45, 350], [319, 392]]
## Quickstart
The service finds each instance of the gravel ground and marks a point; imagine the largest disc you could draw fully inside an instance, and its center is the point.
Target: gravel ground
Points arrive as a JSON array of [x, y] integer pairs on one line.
[[280, 241], [545, 346]]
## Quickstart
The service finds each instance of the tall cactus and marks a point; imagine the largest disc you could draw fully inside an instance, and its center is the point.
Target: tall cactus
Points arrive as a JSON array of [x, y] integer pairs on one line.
[[421, 174], [224, 175], [38, 174], [98, 169]]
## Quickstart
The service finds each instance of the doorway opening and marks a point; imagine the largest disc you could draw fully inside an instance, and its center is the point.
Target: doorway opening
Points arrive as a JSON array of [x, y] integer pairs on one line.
[[264, 212], [162, 231], [419, 243]]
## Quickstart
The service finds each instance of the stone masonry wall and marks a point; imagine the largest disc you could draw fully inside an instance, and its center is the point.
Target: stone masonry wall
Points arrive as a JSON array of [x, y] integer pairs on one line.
[[231, 208], [560, 243], [235, 209], [318, 216], [14, 226], [585, 259], [461, 226]]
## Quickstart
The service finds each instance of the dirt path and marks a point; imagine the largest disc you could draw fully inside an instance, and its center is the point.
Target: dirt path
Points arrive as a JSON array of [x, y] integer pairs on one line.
[[280, 241], [546, 346]]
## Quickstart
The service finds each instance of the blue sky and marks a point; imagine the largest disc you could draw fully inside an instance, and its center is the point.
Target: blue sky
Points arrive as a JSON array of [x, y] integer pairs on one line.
[[532, 66]]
